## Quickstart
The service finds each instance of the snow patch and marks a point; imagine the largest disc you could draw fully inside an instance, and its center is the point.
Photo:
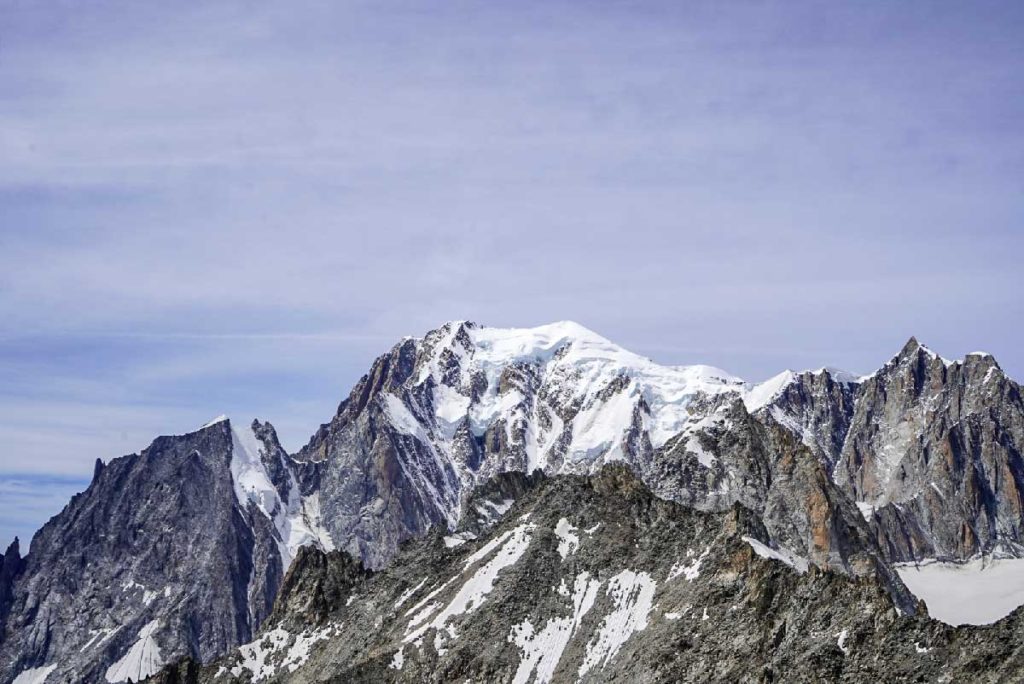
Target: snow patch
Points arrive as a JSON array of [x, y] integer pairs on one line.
[[473, 593], [101, 634], [866, 509], [690, 570], [568, 540], [256, 656], [493, 510], [978, 592], [841, 641], [142, 659], [402, 418], [705, 458], [782, 554], [542, 650], [147, 596], [408, 593], [762, 394], [297, 522], [487, 549], [633, 596], [219, 419], [36, 675]]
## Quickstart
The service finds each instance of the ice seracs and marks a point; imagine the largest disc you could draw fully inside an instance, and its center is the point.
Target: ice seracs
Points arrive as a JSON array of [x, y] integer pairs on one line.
[[565, 398], [562, 393], [575, 365]]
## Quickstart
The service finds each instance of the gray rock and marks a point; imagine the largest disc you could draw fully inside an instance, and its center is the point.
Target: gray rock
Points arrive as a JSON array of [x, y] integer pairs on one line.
[[435, 441], [157, 538], [595, 579], [934, 456]]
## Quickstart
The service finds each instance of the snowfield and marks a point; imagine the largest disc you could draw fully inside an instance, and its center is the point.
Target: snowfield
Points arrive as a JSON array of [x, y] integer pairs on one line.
[[975, 593]]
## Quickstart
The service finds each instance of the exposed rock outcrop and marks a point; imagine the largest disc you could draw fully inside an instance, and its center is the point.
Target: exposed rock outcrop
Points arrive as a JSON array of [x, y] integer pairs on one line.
[[595, 579], [180, 551]]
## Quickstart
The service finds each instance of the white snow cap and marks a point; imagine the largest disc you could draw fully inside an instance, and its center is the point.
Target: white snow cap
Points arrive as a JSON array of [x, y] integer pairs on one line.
[[764, 393], [219, 419], [575, 364], [611, 389]]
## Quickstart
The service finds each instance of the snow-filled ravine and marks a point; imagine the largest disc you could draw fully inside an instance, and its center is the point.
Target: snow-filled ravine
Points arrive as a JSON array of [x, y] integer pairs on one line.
[[297, 520]]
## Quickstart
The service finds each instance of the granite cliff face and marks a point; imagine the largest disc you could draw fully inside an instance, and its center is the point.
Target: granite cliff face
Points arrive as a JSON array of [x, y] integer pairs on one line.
[[928, 448], [933, 455], [180, 551], [159, 559], [438, 416], [596, 579]]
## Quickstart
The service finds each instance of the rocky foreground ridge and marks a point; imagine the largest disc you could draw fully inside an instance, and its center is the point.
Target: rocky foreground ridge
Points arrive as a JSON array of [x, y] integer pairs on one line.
[[596, 579], [179, 551]]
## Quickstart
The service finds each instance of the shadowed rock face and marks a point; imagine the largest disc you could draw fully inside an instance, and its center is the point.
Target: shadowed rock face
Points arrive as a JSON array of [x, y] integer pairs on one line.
[[760, 464], [823, 445], [935, 449], [392, 463], [929, 449], [157, 537], [595, 579], [11, 566], [190, 540]]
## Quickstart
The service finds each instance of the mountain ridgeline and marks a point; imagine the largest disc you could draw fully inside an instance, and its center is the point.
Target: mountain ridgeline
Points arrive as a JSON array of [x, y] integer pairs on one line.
[[178, 553]]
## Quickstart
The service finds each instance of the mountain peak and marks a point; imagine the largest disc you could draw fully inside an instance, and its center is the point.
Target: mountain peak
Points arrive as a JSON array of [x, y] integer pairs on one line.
[[981, 357], [911, 346], [219, 419]]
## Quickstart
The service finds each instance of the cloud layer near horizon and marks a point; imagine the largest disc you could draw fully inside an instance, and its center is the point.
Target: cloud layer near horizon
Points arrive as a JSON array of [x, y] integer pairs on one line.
[[223, 207]]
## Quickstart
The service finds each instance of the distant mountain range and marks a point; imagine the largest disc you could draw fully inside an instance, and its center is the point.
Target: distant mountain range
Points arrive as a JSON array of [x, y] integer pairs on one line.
[[687, 526]]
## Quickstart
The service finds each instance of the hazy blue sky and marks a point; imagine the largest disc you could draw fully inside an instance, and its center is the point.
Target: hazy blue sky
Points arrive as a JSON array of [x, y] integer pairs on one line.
[[233, 207]]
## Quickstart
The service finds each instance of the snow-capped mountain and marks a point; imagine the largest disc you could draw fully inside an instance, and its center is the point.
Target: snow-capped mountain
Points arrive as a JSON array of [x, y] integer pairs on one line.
[[176, 551], [439, 415], [180, 551]]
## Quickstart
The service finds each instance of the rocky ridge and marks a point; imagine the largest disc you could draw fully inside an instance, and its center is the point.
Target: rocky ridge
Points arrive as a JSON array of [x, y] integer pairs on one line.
[[176, 551], [920, 460], [593, 578]]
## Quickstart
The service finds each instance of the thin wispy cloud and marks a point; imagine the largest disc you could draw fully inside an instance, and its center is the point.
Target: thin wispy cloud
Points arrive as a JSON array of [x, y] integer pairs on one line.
[[233, 208]]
